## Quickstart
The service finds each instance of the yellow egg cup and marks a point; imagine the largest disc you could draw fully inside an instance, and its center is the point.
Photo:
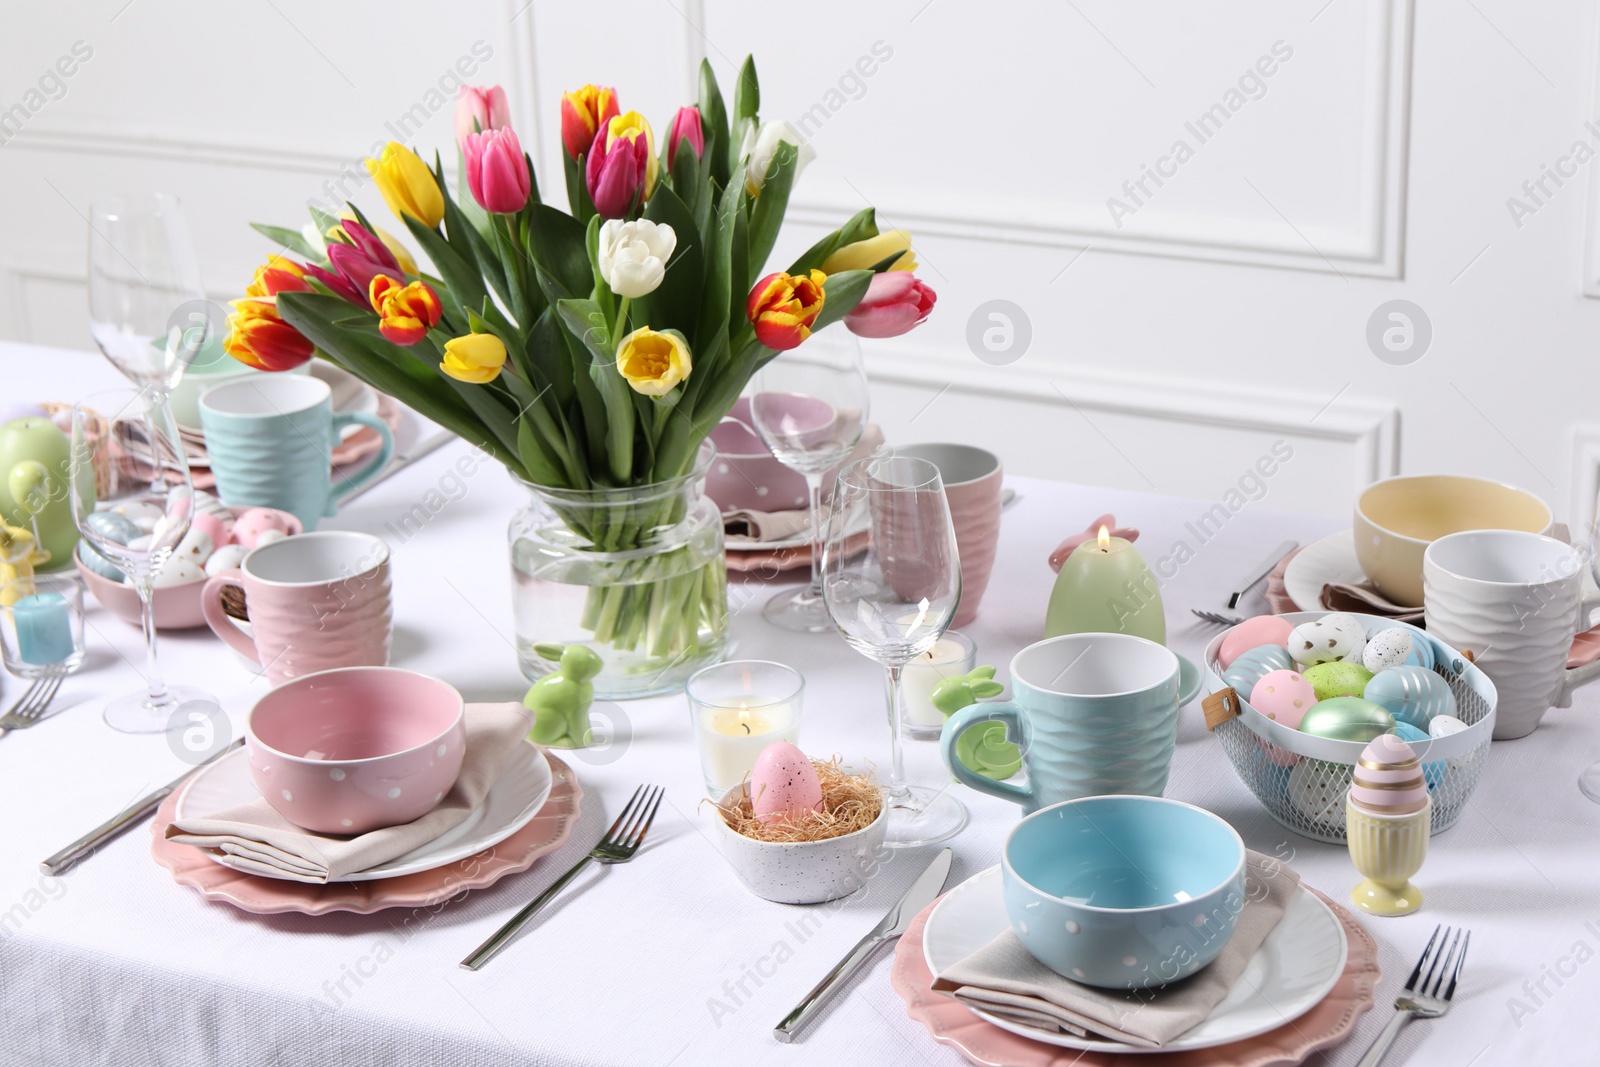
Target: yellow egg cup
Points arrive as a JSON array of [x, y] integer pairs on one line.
[[1388, 851]]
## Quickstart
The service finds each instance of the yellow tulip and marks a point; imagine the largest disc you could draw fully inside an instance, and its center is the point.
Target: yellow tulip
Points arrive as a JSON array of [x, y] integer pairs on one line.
[[402, 255], [862, 255], [475, 358], [653, 362], [407, 185]]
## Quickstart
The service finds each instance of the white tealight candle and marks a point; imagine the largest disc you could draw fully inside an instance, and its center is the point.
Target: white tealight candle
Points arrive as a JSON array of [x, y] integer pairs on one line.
[[952, 655], [731, 737]]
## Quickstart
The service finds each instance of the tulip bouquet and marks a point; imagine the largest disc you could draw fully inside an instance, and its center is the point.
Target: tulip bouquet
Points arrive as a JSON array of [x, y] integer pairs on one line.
[[590, 350]]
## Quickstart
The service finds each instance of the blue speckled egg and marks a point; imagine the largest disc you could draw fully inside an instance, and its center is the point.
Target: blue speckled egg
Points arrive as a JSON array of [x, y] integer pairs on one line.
[[1412, 694], [98, 563], [1255, 664], [1432, 773], [111, 526]]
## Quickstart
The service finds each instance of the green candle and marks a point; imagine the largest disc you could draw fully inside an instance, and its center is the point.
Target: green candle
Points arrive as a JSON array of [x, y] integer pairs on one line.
[[1105, 586]]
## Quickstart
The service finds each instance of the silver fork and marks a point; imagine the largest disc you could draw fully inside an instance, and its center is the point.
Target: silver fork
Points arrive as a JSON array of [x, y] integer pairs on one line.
[[30, 706], [1217, 617], [1423, 1001], [617, 846]]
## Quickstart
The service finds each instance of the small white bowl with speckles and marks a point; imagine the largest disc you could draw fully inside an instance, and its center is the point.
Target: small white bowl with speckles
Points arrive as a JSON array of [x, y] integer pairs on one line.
[[803, 872]]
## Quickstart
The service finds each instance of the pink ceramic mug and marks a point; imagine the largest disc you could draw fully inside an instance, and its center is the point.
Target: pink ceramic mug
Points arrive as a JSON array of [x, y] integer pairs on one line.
[[972, 478], [316, 602]]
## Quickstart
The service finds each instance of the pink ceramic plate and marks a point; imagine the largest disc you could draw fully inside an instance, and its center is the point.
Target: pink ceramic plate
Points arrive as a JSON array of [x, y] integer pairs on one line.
[[268, 896], [765, 562], [951, 1023]]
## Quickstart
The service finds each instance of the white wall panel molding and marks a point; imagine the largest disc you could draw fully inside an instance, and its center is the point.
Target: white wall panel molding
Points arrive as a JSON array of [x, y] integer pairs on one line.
[[1583, 478]]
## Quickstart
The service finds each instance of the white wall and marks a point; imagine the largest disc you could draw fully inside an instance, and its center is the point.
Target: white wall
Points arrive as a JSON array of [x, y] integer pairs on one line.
[[1174, 336]]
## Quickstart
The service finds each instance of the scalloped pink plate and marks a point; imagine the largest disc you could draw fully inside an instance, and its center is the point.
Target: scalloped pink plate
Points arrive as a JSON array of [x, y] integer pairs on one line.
[[952, 1023], [545, 833]]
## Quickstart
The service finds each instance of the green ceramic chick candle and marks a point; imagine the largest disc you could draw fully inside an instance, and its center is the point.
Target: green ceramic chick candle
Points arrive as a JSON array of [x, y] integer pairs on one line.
[[561, 699], [1105, 586], [34, 460], [983, 749]]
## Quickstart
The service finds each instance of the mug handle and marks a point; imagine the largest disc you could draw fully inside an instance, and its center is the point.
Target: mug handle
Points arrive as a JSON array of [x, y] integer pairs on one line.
[[341, 419], [220, 621], [1001, 711]]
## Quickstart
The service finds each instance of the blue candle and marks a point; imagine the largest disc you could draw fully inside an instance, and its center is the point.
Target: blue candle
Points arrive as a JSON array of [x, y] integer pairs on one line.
[[44, 628]]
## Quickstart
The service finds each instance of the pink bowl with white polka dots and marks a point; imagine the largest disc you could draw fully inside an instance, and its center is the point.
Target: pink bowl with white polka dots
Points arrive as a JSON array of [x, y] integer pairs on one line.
[[355, 749]]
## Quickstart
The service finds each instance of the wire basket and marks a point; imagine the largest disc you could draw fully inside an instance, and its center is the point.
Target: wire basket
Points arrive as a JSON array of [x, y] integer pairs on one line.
[[1302, 779]]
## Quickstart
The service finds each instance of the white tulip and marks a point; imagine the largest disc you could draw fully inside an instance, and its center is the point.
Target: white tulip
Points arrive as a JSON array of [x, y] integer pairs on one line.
[[760, 145], [633, 255]]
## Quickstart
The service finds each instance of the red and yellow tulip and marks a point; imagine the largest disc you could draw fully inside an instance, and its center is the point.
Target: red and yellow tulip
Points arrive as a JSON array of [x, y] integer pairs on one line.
[[258, 337], [405, 312], [278, 275], [583, 113], [783, 307]]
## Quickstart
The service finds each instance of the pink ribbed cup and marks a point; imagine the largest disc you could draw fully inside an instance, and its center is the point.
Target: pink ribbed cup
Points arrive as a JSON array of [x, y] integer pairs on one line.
[[972, 478]]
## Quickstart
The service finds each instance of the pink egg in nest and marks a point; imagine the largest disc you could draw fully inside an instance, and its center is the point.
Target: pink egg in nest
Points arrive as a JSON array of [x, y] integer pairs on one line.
[[253, 523], [1258, 630], [783, 783]]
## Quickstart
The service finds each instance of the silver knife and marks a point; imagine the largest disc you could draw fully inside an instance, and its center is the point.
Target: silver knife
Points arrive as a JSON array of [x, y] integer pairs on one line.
[[923, 891], [123, 819], [1260, 571], [427, 446]]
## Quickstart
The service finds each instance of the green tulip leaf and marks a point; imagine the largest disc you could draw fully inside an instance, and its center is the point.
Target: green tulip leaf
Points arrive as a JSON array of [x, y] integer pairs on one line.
[[675, 304], [766, 219], [714, 121], [584, 320], [292, 241], [844, 291], [747, 91], [558, 244]]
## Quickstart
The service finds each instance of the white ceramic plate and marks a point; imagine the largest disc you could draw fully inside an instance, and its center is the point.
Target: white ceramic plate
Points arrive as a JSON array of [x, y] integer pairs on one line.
[[513, 800], [1298, 964], [1330, 560]]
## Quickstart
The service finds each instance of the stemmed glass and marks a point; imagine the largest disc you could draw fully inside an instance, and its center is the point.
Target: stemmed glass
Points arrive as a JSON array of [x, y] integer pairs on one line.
[[128, 466], [893, 600], [147, 307], [809, 406]]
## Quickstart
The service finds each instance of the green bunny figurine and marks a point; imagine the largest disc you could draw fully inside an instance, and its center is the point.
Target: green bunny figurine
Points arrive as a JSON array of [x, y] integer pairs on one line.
[[560, 700], [983, 749]]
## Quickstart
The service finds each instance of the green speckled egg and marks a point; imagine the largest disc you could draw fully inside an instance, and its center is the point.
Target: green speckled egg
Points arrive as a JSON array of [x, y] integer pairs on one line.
[[1337, 679], [1347, 719]]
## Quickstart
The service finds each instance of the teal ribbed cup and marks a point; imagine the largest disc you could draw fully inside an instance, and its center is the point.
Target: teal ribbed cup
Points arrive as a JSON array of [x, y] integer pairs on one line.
[[271, 441]]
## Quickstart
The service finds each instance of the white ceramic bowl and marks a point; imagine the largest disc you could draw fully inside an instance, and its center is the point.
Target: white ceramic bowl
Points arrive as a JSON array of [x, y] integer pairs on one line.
[[805, 872]]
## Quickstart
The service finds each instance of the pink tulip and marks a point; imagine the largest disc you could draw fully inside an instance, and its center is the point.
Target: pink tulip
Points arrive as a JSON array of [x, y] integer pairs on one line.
[[480, 107], [616, 174], [497, 171], [355, 264], [686, 125], [895, 302]]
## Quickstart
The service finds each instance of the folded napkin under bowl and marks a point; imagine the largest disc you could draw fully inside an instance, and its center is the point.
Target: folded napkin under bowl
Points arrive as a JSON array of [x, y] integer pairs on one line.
[[1123, 892], [353, 749]]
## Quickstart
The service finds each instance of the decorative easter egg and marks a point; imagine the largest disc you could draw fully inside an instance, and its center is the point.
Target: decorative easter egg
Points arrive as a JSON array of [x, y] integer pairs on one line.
[[21, 411], [111, 526], [226, 558], [1412, 694], [1284, 696], [1253, 632], [249, 526], [1338, 678], [1347, 719], [1255, 664], [1316, 792], [98, 563], [196, 547], [1270, 773], [1335, 636], [1445, 725], [783, 783], [1388, 778], [144, 516], [1387, 648], [141, 543], [1432, 773], [206, 504], [176, 571], [1424, 651], [212, 527], [266, 537]]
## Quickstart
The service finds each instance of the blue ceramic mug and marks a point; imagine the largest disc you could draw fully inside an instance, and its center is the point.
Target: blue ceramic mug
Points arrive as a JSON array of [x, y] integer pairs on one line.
[[271, 440], [1092, 713]]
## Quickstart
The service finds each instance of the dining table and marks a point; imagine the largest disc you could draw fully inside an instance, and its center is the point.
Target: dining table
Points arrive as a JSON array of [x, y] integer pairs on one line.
[[670, 959]]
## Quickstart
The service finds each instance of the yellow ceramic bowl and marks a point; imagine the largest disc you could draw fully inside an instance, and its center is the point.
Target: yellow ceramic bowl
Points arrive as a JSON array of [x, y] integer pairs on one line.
[[1398, 518]]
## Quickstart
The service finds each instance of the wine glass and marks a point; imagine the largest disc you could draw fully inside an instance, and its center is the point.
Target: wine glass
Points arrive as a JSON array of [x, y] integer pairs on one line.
[[147, 307], [892, 600], [129, 476], [809, 406]]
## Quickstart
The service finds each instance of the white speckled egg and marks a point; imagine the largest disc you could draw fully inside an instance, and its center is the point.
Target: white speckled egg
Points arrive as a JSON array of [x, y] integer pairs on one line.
[[196, 547], [783, 783], [226, 558], [178, 571], [1387, 648], [1445, 725], [1255, 664], [1336, 636], [1316, 792], [1412, 694]]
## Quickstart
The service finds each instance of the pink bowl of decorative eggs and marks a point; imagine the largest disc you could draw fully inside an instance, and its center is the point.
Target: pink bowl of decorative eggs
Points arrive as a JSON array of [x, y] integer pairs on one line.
[[357, 748], [219, 537]]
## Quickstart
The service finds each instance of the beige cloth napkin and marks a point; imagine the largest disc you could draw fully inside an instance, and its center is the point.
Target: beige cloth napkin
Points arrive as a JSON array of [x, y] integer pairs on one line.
[[257, 840], [1003, 979], [747, 529]]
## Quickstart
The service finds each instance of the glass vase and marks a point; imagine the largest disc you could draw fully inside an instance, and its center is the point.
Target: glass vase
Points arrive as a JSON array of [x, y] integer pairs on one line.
[[635, 574]]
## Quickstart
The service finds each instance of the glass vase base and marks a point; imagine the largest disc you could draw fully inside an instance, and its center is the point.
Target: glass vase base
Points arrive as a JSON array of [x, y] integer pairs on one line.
[[1375, 898], [923, 816], [799, 610], [1589, 782], [136, 713]]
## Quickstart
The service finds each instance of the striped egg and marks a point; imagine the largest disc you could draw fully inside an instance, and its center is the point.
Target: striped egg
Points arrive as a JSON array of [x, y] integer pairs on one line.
[[1411, 694], [1388, 778], [1255, 664]]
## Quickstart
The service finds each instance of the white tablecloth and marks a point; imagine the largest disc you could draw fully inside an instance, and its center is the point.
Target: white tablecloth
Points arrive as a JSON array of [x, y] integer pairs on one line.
[[669, 959]]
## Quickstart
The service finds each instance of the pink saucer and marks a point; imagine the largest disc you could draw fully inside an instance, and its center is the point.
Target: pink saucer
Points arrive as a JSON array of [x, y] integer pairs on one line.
[[268, 896], [953, 1024]]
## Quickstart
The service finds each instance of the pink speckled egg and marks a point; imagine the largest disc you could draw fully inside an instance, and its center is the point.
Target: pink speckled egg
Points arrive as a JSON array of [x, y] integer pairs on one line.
[[1284, 697], [211, 526], [256, 521], [1388, 779], [1259, 630], [783, 783]]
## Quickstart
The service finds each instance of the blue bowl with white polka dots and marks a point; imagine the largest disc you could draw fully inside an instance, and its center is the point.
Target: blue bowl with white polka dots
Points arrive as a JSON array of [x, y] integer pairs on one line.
[[1124, 892]]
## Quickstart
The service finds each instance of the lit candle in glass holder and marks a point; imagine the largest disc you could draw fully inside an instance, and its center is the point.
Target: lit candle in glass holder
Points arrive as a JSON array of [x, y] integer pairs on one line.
[[952, 655], [737, 709]]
